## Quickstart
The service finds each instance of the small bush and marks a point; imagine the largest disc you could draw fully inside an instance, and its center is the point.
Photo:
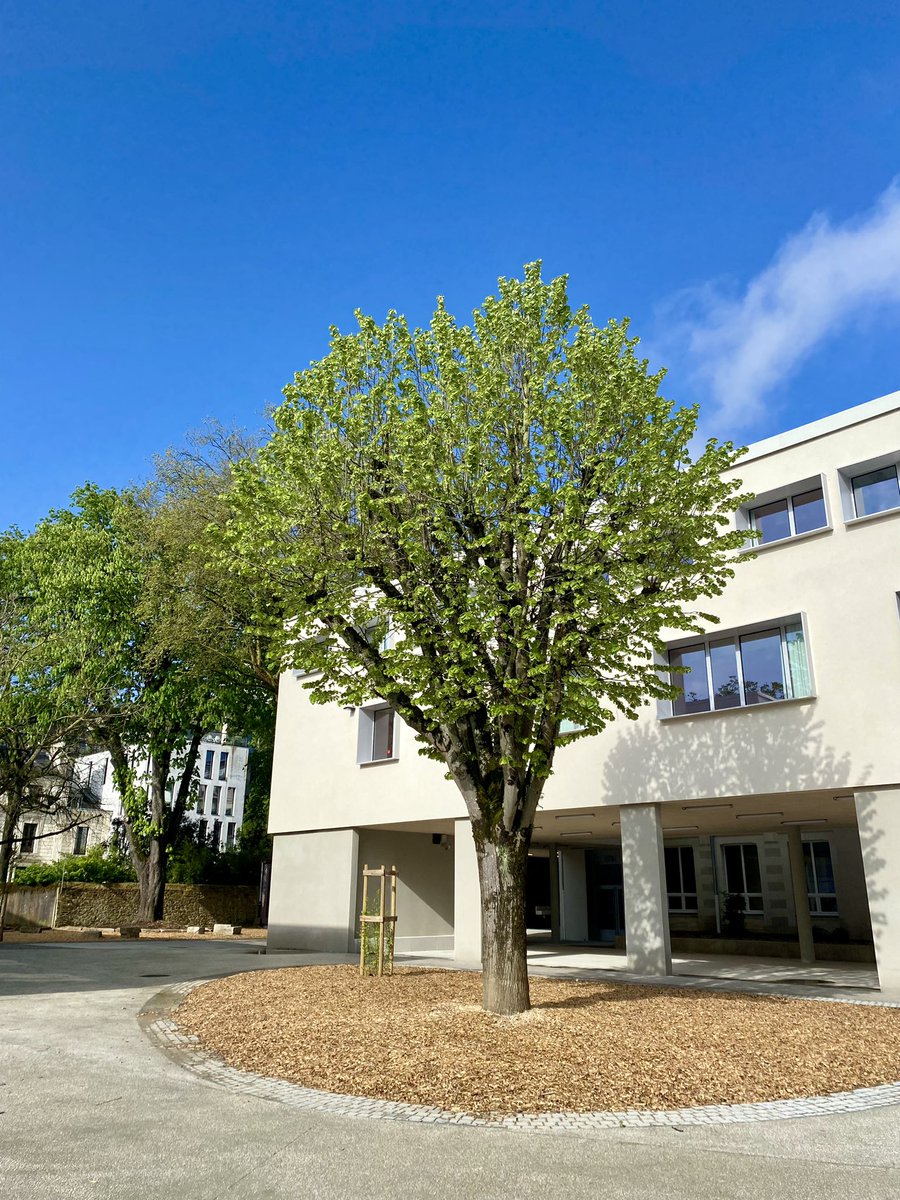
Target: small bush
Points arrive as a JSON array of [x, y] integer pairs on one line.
[[99, 865]]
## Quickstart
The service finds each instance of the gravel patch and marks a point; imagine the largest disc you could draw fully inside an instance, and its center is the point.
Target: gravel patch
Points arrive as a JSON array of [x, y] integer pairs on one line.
[[421, 1037]]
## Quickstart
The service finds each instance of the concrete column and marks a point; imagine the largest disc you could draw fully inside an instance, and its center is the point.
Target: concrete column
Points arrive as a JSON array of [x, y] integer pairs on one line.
[[573, 923], [801, 897], [554, 895], [312, 904], [466, 897], [646, 902], [878, 816]]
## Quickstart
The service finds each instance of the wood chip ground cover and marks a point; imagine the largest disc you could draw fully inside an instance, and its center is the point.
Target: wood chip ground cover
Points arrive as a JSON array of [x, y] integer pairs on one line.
[[422, 1037]]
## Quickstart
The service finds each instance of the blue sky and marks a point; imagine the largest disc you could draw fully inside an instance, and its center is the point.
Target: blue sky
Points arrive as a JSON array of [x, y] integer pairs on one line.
[[190, 193]]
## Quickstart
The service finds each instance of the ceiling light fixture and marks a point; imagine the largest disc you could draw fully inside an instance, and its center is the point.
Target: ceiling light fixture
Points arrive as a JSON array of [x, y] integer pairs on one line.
[[691, 807], [678, 828], [756, 816], [811, 821], [579, 816]]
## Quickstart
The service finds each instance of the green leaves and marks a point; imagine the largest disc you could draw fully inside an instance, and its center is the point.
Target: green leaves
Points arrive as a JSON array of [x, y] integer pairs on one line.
[[514, 501]]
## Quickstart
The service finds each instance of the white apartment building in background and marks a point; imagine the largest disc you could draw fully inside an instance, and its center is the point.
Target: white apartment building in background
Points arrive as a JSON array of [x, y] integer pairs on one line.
[[773, 779], [220, 788]]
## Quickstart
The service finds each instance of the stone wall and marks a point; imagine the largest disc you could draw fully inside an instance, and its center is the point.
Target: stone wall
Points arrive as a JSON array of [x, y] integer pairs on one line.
[[101, 905]]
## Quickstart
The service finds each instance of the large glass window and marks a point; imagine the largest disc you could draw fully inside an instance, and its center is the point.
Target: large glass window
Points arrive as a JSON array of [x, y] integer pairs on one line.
[[757, 667], [876, 491], [725, 680], [81, 840], [29, 833], [216, 799], [742, 877], [692, 684], [800, 513], [208, 764], [223, 766], [820, 878], [681, 879], [763, 666], [229, 802]]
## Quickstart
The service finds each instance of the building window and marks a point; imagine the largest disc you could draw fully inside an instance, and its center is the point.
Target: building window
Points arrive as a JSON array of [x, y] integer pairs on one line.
[[742, 875], [382, 734], [208, 765], [81, 840], [876, 491], [29, 833], [229, 836], [216, 797], [229, 802], [820, 878], [223, 765], [201, 800], [217, 834], [681, 879], [802, 512], [742, 669], [203, 826]]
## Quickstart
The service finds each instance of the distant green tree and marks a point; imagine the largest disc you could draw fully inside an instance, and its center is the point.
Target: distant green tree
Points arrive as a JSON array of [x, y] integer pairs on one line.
[[41, 721], [134, 629], [487, 526]]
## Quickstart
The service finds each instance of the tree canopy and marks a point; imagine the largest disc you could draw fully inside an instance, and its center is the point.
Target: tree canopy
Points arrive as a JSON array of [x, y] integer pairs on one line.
[[488, 526]]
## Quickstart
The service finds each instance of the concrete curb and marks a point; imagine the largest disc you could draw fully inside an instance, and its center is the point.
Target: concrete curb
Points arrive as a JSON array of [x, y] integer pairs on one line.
[[155, 1019]]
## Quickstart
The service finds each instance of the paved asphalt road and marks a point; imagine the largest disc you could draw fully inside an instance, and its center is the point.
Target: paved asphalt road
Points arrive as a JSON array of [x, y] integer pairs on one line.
[[90, 1110]]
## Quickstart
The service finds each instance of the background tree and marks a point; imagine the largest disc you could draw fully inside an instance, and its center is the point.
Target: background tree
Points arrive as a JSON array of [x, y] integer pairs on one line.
[[134, 632], [41, 722], [519, 505]]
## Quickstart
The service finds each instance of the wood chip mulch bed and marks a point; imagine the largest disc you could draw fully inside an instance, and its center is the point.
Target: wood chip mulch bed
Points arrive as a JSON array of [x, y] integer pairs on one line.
[[421, 1037]]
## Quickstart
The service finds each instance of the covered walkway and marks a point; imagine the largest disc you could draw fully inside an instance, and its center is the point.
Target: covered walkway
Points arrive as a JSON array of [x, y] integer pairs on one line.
[[858, 979]]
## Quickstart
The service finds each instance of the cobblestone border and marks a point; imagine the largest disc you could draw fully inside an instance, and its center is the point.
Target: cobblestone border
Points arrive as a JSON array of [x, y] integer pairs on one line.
[[156, 1021]]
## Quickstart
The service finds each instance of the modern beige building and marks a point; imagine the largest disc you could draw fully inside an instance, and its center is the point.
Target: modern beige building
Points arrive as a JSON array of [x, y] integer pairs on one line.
[[767, 796]]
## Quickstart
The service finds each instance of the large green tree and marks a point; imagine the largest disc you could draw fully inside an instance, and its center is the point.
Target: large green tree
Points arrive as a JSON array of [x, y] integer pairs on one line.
[[118, 577], [519, 505], [41, 721]]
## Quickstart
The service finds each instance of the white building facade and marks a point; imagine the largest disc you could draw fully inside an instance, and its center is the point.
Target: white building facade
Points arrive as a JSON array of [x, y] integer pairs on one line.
[[767, 796], [220, 788]]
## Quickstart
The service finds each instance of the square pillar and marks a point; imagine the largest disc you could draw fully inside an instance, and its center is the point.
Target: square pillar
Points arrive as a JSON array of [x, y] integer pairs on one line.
[[466, 897], [878, 817], [312, 902], [801, 897], [646, 901]]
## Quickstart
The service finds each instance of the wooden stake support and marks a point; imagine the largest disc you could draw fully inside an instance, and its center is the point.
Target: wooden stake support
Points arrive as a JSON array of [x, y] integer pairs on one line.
[[383, 920]]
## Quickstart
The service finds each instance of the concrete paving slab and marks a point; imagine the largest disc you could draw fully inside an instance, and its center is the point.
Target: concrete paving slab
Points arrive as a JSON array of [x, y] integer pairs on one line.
[[90, 1109]]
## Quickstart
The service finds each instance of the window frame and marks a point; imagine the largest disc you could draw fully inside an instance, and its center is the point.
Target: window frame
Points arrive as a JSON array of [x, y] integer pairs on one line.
[[744, 517], [742, 844], [26, 842], [208, 764], [685, 909], [846, 476], [666, 708], [815, 897], [81, 841], [365, 744]]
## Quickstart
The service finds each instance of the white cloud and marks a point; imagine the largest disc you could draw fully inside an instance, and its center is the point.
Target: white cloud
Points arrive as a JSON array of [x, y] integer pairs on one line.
[[738, 350]]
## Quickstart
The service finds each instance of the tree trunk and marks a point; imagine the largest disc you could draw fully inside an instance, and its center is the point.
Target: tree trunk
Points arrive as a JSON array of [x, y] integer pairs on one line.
[[502, 868], [151, 873]]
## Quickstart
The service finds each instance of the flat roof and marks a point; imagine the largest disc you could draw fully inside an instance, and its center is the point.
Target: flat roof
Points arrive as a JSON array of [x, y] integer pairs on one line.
[[825, 425]]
